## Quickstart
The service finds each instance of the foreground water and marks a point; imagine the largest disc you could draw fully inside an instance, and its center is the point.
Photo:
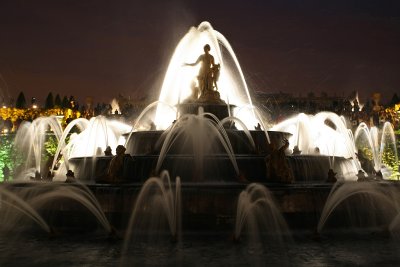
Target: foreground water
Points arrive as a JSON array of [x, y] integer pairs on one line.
[[206, 249]]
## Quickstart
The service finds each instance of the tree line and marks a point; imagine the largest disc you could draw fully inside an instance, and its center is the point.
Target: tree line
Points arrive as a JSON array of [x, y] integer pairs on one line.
[[50, 102]]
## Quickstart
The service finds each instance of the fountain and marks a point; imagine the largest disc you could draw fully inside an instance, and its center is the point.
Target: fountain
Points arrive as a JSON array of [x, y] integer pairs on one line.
[[212, 163], [30, 140], [361, 205], [370, 141], [156, 203], [258, 215], [203, 134]]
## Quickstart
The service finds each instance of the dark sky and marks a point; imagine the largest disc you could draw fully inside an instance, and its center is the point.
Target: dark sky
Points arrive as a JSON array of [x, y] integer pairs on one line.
[[101, 48]]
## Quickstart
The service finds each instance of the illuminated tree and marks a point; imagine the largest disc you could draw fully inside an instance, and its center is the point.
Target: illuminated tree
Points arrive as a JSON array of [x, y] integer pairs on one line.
[[8, 155], [389, 159], [50, 148]]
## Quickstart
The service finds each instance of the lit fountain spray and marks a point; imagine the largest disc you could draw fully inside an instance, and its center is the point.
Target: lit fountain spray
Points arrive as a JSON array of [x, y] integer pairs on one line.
[[199, 132], [79, 193], [11, 202], [178, 79], [31, 137], [180, 117], [365, 137], [31, 200], [366, 204], [323, 134], [258, 215], [362, 204], [99, 133], [325, 130], [82, 124], [156, 203]]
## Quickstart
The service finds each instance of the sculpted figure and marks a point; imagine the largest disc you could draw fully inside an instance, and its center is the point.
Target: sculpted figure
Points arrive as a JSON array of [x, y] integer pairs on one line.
[[331, 176], [116, 169], [209, 71], [277, 166], [296, 150], [108, 151], [215, 75], [70, 177]]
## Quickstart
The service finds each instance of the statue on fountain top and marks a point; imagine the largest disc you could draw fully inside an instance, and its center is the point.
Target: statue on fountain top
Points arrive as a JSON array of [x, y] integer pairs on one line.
[[207, 77]]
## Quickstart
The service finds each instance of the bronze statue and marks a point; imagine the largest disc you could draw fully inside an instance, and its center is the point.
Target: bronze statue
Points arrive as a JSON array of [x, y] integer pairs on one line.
[[215, 75], [115, 171], [108, 151], [208, 73], [296, 150], [278, 169], [331, 176], [70, 177]]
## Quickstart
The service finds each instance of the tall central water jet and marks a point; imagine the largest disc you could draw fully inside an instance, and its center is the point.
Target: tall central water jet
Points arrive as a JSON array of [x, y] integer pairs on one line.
[[179, 80]]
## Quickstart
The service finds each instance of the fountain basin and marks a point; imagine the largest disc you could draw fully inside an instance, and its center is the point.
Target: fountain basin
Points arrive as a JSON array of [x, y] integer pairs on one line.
[[221, 110], [205, 206], [150, 142], [252, 168]]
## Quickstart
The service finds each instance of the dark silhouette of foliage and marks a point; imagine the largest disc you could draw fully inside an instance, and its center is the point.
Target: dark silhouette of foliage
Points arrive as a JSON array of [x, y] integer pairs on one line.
[[65, 103], [57, 101], [49, 101], [21, 102]]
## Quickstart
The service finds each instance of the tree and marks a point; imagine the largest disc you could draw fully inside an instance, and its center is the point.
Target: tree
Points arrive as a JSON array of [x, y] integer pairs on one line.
[[65, 102], [49, 101], [367, 107], [21, 102], [395, 100], [57, 101]]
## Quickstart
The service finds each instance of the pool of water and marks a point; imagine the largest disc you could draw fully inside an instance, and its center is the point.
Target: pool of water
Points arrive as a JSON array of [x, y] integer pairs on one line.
[[195, 249]]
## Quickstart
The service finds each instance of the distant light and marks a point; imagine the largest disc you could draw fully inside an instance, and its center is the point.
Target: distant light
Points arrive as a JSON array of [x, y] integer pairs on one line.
[[4, 106], [34, 106]]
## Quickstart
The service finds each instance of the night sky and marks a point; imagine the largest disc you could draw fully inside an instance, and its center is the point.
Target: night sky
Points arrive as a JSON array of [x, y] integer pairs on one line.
[[101, 48]]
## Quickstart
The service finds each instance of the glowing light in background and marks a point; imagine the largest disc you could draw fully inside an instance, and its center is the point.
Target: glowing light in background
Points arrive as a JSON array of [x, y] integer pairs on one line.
[[115, 106]]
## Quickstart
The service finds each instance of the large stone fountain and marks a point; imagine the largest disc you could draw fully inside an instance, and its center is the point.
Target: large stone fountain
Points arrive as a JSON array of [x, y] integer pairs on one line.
[[197, 160], [206, 128], [205, 137]]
